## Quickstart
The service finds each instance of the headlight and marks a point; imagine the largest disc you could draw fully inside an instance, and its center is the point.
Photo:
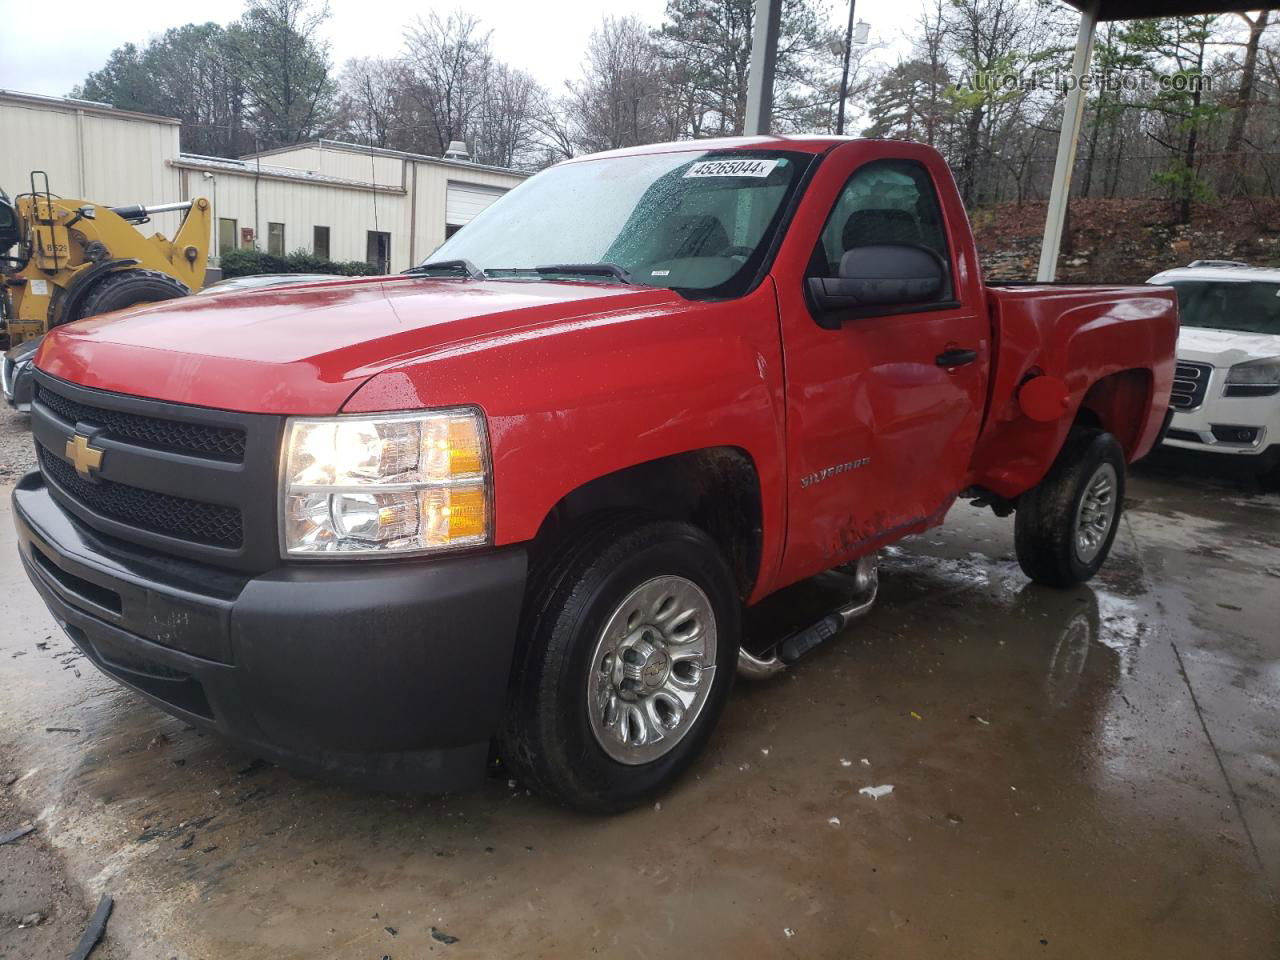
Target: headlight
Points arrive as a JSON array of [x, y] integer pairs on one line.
[[1264, 372], [1257, 378], [385, 484]]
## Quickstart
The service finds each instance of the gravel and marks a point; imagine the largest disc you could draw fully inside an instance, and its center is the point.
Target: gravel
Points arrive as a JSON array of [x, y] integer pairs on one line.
[[17, 454]]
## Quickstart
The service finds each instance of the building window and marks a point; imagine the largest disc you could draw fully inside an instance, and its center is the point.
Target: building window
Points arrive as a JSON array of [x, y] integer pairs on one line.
[[275, 239], [378, 250], [227, 235], [320, 242], [450, 229]]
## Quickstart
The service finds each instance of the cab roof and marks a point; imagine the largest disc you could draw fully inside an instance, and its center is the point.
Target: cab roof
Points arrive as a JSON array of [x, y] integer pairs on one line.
[[798, 143]]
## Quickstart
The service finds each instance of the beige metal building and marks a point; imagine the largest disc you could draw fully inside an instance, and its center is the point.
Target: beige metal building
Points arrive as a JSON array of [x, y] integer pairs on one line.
[[339, 200]]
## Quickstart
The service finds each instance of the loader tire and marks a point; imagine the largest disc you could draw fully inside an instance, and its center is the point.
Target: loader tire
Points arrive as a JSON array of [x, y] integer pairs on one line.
[[127, 288]]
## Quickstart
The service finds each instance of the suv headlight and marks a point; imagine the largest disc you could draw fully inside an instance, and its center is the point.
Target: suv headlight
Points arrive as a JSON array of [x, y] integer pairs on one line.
[[1257, 378], [385, 484]]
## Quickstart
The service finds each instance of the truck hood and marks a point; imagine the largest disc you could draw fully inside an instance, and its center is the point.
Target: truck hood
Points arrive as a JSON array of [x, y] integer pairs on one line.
[[1225, 348], [305, 351]]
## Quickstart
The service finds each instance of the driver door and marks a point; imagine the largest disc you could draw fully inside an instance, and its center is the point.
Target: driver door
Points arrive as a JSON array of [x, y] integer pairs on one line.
[[884, 409]]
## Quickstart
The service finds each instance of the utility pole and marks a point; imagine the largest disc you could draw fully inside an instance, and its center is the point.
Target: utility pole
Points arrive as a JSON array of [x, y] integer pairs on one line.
[[764, 57], [844, 75]]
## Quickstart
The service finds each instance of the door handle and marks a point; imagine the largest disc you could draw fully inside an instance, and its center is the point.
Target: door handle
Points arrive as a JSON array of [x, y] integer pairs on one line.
[[956, 357]]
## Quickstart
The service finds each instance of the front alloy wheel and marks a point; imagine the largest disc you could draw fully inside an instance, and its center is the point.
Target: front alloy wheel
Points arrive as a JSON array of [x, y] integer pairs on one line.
[[655, 664], [630, 635]]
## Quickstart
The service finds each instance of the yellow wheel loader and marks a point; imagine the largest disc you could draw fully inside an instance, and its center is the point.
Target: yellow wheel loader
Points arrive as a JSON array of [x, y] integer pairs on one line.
[[63, 260]]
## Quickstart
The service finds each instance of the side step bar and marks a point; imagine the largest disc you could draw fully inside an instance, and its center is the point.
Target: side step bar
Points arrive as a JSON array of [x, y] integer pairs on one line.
[[787, 651]]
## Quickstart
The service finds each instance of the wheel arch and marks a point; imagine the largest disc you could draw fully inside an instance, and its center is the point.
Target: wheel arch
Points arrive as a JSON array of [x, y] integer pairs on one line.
[[714, 488], [1120, 404]]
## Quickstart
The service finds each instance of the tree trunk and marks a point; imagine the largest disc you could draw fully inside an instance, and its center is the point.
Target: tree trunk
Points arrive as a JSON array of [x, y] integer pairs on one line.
[[1244, 96], [969, 159]]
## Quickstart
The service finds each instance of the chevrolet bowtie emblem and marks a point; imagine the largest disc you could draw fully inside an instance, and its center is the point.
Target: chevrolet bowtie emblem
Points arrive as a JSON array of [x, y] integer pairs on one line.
[[85, 458]]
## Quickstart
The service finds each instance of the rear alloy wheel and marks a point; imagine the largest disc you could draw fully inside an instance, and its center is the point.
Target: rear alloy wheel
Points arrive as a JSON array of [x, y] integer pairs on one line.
[[1096, 512], [628, 652], [1066, 524]]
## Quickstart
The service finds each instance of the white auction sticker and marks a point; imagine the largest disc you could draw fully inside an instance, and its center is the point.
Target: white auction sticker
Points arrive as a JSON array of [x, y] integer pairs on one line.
[[39, 288], [731, 168]]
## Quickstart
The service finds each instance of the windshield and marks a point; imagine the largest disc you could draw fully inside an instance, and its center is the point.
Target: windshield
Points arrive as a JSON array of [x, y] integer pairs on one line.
[[1243, 305], [697, 220]]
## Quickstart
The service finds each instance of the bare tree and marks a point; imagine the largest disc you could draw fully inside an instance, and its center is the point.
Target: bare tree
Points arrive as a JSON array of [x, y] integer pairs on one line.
[[617, 101], [450, 58], [370, 95]]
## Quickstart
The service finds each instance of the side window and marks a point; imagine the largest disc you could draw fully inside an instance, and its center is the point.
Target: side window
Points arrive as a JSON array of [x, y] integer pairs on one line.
[[886, 201]]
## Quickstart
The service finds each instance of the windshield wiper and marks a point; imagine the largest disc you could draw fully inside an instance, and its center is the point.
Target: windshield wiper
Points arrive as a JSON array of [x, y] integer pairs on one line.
[[463, 269], [585, 270]]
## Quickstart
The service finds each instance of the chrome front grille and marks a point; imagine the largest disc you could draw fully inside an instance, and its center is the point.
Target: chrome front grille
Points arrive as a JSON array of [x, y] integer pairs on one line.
[[1190, 384]]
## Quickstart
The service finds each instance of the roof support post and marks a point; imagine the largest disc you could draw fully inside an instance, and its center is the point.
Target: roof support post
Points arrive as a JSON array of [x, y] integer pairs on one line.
[[1068, 140], [764, 56]]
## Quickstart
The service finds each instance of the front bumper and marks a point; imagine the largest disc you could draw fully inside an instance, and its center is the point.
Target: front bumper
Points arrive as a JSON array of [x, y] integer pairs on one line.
[[385, 673]]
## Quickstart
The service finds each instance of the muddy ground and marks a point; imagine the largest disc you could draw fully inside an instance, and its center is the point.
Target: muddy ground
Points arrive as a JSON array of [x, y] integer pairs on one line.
[[1093, 772]]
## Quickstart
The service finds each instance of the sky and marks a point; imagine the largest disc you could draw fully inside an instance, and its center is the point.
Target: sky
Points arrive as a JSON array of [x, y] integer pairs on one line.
[[545, 38]]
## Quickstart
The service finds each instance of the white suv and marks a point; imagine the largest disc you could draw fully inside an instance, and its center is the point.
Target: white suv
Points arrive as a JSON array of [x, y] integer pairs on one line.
[[1226, 395]]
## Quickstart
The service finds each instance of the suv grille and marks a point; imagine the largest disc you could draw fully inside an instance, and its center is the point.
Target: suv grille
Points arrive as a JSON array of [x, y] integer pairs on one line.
[[196, 439], [1190, 382], [208, 523]]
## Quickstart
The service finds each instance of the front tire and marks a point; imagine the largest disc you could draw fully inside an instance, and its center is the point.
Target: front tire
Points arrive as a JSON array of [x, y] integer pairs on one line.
[[1066, 524], [631, 641]]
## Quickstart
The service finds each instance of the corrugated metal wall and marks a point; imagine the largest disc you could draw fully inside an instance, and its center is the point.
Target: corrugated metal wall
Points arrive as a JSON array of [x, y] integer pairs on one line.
[[301, 206], [89, 154], [112, 157], [427, 219]]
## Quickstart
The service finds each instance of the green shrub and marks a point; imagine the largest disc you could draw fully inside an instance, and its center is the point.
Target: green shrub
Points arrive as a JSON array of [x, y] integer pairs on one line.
[[246, 263]]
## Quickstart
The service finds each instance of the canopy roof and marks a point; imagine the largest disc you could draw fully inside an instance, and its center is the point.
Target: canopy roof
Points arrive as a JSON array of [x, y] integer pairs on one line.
[[1140, 9]]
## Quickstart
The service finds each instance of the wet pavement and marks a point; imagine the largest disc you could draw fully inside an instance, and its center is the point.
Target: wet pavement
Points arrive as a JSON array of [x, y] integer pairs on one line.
[[1093, 772]]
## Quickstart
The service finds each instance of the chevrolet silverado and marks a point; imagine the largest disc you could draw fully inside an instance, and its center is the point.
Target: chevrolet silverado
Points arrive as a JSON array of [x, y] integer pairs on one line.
[[519, 498]]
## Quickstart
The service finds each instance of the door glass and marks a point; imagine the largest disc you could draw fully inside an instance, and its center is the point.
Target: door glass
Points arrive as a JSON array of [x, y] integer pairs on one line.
[[378, 250], [275, 239], [226, 234], [320, 242], [887, 201]]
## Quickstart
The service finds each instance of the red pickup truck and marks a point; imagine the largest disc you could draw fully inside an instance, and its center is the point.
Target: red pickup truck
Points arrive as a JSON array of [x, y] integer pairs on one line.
[[523, 494]]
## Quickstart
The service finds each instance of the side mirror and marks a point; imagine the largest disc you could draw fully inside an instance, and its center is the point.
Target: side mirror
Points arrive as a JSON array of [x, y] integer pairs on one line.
[[886, 274]]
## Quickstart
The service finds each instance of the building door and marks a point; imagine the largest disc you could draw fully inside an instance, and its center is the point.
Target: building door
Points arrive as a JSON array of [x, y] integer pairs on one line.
[[464, 201], [275, 239], [227, 239], [320, 242], [378, 250]]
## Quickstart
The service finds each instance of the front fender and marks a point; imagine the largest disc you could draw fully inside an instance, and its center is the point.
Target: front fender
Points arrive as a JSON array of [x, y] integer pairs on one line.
[[584, 397]]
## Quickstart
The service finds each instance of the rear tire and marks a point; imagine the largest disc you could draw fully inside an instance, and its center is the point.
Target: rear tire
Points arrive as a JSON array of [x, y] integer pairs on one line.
[[128, 288], [1066, 524], [617, 686]]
